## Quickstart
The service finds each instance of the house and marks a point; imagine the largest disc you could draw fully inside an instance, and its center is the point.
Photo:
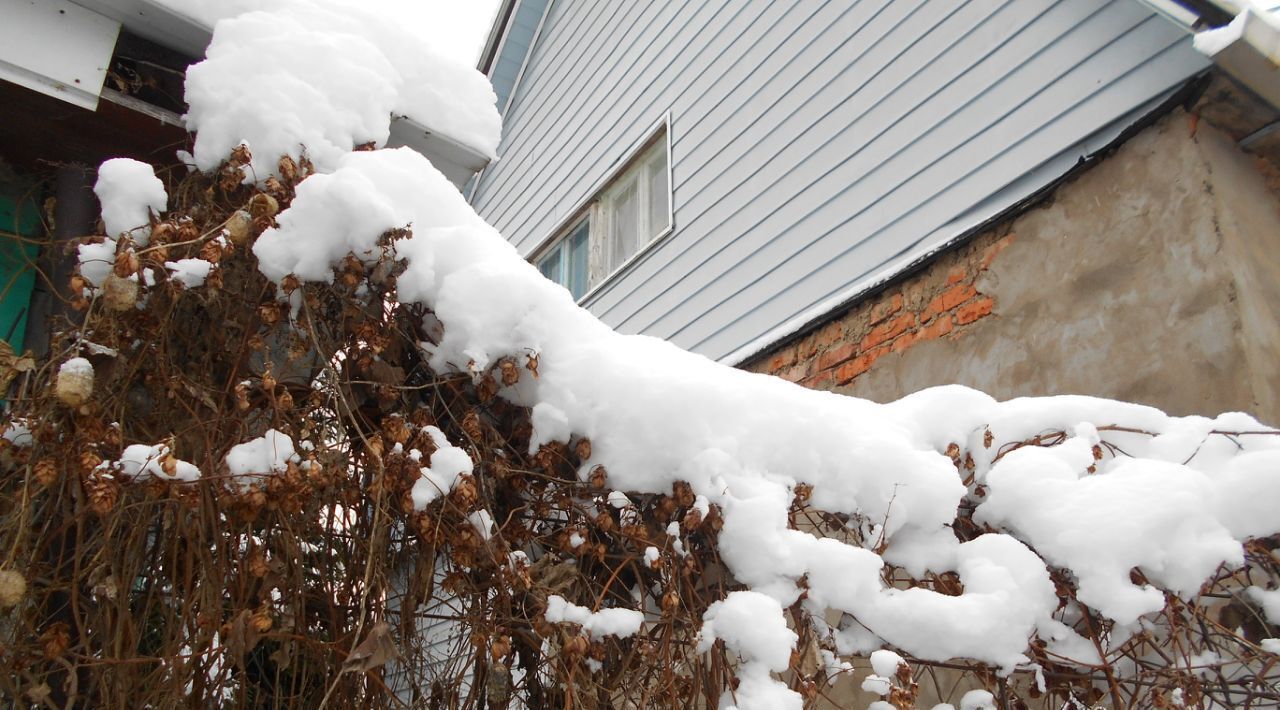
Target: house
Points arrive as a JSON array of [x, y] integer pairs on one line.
[[878, 196], [85, 81]]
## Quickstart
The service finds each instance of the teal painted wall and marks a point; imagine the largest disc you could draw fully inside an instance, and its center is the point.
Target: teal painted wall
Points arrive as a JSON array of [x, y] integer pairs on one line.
[[19, 233]]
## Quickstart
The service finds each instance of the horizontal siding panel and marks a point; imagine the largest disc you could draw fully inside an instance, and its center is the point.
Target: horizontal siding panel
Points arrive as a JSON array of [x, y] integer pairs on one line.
[[823, 263], [781, 174], [986, 103], [813, 143], [553, 96], [594, 140]]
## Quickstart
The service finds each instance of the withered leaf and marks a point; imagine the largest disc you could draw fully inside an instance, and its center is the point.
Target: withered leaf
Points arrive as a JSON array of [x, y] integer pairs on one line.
[[375, 650]]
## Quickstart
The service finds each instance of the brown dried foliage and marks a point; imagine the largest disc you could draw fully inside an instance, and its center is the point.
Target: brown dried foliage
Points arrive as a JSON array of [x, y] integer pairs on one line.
[[324, 585]]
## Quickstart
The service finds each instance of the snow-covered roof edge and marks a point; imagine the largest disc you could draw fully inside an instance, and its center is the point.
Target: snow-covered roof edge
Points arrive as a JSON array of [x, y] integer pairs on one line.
[[168, 24]]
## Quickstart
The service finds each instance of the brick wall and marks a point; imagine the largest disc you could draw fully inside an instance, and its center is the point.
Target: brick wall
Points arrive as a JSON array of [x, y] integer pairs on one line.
[[940, 301]]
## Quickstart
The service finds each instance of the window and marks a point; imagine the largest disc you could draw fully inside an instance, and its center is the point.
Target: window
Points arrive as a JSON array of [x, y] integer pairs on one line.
[[567, 262], [629, 213]]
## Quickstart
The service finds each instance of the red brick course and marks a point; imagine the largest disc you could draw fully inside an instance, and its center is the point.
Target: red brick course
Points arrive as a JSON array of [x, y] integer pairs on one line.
[[940, 302]]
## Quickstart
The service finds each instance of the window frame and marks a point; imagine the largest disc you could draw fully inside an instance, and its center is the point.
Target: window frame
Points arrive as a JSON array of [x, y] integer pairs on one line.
[[590, 209]]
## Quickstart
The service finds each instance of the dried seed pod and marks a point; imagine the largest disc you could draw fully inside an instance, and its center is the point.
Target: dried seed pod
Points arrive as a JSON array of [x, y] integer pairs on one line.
[[471, 425], [90, 460], [263, 206], [487, 388], [288, 169], [242, 396], [74, 384], [169, 464], [670, 602], [126, 264], [187, 230], [103, 493], [240, 155], [583, 449], [576, 646], [501, 648], [683, 493], [598, 476], [55, 640], [261, 620], [213, 282], [239, 227], [273, 186], [802, 494], [162, 232], [510, 373], [257, 564], [665, 509], [45, 472], [465, 493], [269, 313], [211, 252], [953, 453], [119, 293], [13, 587]]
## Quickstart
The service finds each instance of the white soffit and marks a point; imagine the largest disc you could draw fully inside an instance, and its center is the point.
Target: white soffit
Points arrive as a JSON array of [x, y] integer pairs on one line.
[[458, 162], [155, 21], [56, 48]]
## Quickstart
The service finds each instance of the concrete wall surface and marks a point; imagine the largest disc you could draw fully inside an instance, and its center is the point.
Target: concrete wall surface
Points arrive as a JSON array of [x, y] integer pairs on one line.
[[1154, 277]]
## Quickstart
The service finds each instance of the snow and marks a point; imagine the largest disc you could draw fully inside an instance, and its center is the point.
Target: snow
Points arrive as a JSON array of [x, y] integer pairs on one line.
[[1102, 526], [346, 211], [606, 622], [1268, 600], [323, 77], [651, 555], [257, 458], [978, 700], [140, 462], [189, 272], [18, 433], [447, 464], [1270, 645], [752, 626], [656, 414], [885, 662], [1210, 42], [129, 192], [619, 500], [76, 367], [877, 684], [1171, 499], [482, 521], [96, 260]]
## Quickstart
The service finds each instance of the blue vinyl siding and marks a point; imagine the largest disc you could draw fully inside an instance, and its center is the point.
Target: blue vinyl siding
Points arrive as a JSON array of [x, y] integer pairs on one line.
[[816, 146]]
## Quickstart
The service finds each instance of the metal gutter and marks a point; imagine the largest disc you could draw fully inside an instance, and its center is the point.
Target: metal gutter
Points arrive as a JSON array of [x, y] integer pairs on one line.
[[1248, 50]]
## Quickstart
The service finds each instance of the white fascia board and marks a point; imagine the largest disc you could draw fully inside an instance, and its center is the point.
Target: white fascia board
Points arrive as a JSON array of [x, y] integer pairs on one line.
[[155, 21], [1248, 49], [57, 48], [458, 162]]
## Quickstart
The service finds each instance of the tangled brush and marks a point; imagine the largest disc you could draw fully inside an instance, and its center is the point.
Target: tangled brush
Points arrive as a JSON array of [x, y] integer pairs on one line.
[[213, 495]]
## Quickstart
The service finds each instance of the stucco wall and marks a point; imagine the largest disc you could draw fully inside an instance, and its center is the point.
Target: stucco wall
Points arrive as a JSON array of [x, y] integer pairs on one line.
[[1153, 277]]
